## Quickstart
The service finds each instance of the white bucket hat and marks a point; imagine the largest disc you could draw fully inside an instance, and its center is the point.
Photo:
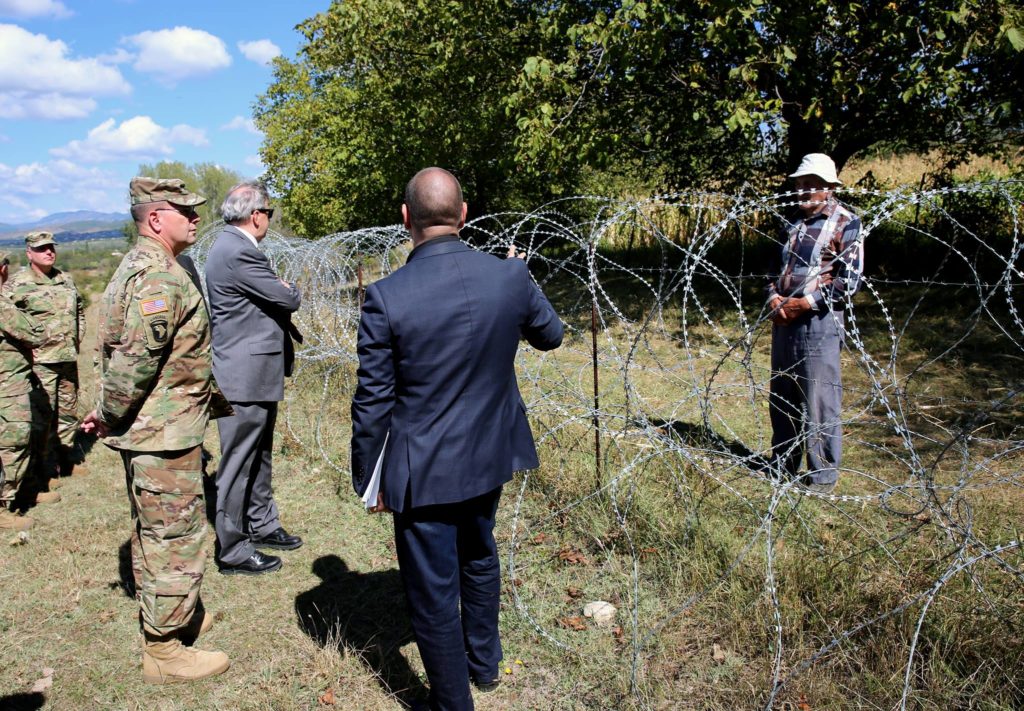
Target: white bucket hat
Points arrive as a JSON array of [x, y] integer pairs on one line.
[[818, 164]]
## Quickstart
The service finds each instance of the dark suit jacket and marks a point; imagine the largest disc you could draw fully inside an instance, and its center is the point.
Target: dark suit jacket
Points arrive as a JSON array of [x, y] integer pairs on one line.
[[250, 314], [189, 265], [437, 345]]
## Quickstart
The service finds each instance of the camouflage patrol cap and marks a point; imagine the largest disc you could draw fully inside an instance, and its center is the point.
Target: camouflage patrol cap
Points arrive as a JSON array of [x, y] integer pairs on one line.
[[39, 239], [170, 190]]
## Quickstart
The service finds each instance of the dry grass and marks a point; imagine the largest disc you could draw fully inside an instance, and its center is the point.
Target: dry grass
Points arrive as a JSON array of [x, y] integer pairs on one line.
[[893, 171], [331, 623]]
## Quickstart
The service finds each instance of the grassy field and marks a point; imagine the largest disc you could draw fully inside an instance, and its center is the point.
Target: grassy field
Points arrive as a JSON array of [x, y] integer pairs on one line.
[[720, 578]]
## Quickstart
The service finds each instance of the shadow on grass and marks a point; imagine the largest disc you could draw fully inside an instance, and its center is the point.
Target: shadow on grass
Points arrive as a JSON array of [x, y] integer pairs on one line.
[[28, 701], [365, 614], [82, 445], [124, 569], [698, 435]]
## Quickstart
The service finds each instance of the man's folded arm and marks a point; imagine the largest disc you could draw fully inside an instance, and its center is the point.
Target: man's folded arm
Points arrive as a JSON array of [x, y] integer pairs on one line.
[[19, 326], [374, 398], [257, 279]]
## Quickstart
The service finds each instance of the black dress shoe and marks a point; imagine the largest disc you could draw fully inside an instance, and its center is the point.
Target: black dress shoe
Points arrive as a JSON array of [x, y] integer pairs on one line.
[[486, 686], [256, 564], [278, 539]]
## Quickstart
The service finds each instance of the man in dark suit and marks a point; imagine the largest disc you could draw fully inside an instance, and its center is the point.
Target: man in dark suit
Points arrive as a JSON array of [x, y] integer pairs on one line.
[[250, 310], [437, 345]]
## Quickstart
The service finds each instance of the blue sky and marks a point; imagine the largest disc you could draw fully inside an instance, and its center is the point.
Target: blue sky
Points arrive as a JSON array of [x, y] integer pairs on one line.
[[89, 89]]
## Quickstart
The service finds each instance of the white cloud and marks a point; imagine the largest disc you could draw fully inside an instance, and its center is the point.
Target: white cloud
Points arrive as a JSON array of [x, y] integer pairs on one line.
[[24, 9], [181, 53], [135, 138], [23, 104], [118, 56], [241, 123], [260, 51], [78, 187], [39, 80]]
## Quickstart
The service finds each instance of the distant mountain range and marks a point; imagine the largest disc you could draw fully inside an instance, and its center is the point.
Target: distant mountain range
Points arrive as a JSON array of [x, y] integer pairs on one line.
[[75, 226]]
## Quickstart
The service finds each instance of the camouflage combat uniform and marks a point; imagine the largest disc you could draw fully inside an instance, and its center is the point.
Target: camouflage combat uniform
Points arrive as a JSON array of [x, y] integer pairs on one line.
[[19, 391], [156, 393], [55, 303]]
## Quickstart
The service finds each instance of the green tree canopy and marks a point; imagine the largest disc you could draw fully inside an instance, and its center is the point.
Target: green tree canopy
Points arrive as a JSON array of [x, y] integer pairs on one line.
[[720, 85], [382, 88], [209, 180], [522, 100]]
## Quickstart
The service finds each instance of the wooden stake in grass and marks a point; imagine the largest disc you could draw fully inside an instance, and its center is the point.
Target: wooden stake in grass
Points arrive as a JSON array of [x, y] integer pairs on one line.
[[597, 400]]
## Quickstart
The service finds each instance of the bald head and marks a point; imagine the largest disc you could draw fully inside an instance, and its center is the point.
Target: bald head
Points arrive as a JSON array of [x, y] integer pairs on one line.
[[433, 198]]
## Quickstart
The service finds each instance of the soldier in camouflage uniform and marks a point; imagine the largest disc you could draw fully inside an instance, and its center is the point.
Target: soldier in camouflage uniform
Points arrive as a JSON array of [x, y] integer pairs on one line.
[[156, 394], [19, 333], [48, 294]]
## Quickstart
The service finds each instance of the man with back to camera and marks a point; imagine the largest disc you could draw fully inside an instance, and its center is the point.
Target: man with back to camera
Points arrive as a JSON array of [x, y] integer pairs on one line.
[[156, 395], [49, 295], [437, 383], [251, 309], [818, 270]]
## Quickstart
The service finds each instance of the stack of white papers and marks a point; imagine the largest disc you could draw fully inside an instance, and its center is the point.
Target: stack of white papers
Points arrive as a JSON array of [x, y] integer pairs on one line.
[[370, 496]]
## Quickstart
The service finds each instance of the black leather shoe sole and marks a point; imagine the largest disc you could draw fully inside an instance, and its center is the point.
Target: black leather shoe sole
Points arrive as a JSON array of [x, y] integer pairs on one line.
[[487, 686], [242, 570], [278, 546]]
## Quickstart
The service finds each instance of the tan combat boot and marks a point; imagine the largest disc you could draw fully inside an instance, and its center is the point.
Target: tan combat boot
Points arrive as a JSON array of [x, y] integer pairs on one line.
[[12, 522], [165, 660], [47, 497]]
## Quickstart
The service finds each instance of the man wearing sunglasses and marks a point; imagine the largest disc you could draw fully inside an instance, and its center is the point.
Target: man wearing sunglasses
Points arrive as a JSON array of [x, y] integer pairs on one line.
[[48, 294], [156, 395], [250, 308]]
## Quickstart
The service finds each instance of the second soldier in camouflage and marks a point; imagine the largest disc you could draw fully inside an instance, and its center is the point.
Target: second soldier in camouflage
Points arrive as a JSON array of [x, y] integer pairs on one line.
[[49, 295]]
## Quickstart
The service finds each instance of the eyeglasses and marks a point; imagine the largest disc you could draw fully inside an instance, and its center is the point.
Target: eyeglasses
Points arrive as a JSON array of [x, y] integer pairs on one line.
[[268, 211], [186, 212], [44, 248]]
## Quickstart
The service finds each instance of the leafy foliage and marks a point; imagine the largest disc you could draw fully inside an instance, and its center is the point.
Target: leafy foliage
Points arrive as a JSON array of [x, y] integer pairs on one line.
[[718, 87], [527, 100], [383, 88]]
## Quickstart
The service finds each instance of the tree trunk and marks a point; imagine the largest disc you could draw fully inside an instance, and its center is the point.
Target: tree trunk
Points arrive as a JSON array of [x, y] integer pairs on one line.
[[802, 137]]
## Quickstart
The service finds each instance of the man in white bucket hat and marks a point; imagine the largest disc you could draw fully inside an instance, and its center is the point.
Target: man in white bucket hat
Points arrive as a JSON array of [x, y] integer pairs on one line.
[[818, 272]]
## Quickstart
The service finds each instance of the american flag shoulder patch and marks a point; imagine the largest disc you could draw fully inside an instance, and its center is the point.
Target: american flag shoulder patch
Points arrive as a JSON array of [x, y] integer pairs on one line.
[[156, 305]]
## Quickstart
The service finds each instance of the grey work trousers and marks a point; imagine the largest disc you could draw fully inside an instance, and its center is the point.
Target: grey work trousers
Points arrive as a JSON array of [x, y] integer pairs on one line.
[[806, 395], [245, 497]]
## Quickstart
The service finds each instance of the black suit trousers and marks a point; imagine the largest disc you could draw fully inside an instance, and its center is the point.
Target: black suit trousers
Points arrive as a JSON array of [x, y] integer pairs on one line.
[[452, 577]]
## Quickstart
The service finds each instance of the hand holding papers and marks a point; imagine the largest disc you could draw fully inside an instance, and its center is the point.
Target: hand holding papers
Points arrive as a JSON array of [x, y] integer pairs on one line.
[[372, 499]]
